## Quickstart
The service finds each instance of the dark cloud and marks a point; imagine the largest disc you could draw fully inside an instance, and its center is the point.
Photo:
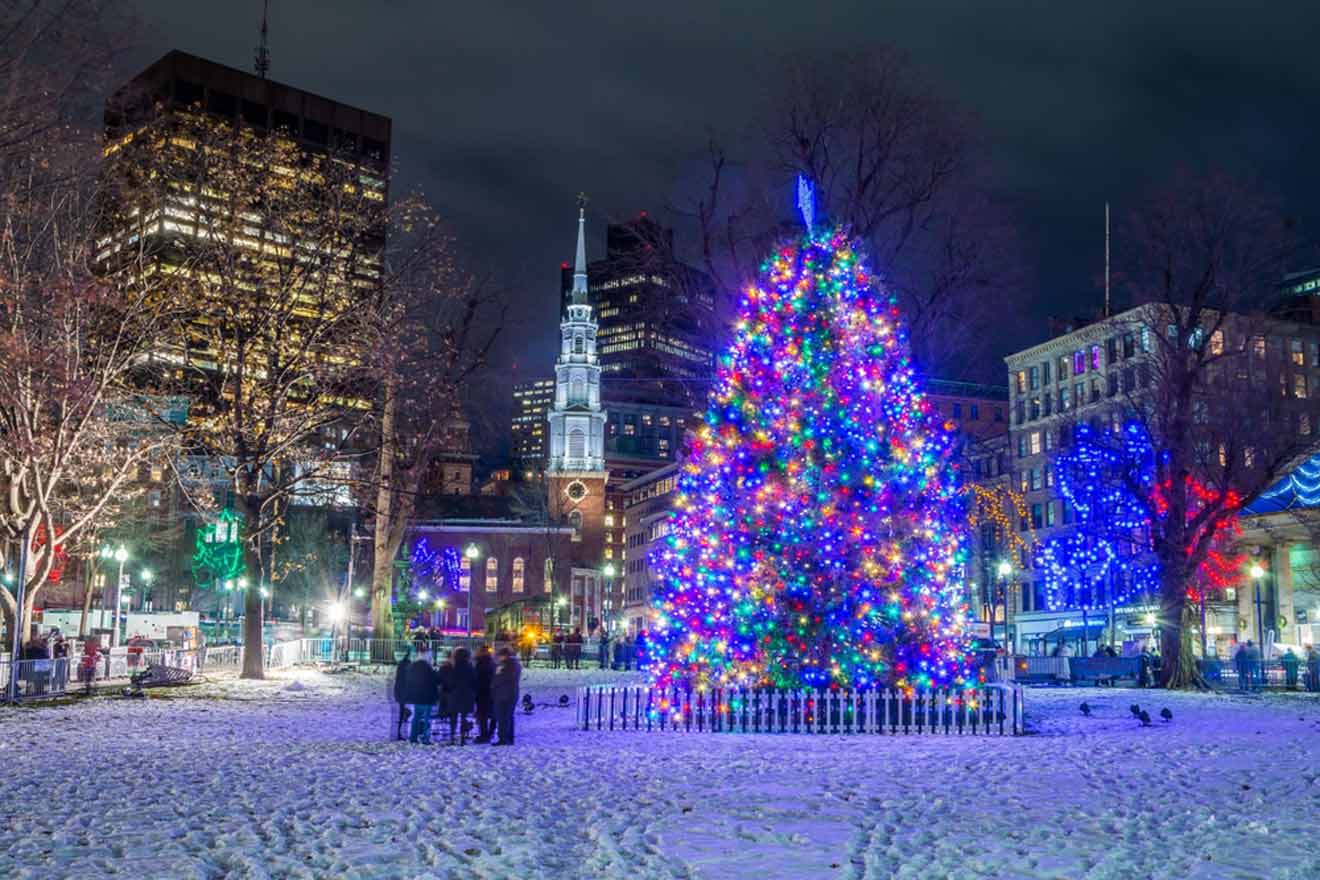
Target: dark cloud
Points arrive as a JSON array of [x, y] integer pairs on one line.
[[503, 111]]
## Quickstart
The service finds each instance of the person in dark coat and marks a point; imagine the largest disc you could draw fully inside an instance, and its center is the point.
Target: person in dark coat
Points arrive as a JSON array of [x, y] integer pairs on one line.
[[462, 694], [1242, 661], [1290, 663], [485, 668], [574, 645], [504, 696], [421, 686], [1144, 664], [556, 650], [603, 649], [400, 676], [1312, 668], [639, 651]]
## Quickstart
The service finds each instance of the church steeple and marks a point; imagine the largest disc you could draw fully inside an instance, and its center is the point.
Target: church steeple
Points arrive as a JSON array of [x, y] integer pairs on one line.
[[580, 265], [577, 422]]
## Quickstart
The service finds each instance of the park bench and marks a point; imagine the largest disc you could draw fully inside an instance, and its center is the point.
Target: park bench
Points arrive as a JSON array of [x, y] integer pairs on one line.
[[1104, 670]]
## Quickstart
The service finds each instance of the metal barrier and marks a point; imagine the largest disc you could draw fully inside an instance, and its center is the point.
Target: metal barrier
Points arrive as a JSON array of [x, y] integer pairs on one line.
[[37, 679], [1257, 675], [986, 710]]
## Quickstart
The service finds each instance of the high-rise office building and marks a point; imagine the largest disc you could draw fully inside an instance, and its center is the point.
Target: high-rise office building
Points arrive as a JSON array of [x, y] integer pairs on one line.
[[657, 331], [532, 402], [178, 139]]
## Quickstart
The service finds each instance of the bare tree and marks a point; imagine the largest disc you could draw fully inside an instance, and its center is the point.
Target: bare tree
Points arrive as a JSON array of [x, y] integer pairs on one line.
[[1220, 386], [440, 324], [899, 167], [276, 255]]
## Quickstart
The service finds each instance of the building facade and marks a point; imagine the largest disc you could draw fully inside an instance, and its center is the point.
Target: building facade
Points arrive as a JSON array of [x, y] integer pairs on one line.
[[1102, 374], [532, 401]]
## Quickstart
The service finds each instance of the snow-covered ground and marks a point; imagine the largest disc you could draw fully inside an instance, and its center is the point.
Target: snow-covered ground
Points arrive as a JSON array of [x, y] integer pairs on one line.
[[295, 777]]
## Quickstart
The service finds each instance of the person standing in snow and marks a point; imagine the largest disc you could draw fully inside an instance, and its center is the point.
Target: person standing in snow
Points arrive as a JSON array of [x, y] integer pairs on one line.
[[485, 672], [1290, 663], [1242, 662], [400, 676], [603, 649], [574, 645], [504, 696], [462, 694], [420, 688], [1143, 668], [1312, 669]]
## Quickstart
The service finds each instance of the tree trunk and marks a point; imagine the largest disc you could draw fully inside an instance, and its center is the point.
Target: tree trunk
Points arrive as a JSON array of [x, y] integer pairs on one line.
[[89, 579], [382, 561], [254, 658], [1177, 620]]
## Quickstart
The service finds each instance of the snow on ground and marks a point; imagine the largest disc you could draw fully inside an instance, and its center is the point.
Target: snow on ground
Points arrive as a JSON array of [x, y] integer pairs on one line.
[[295, 777]]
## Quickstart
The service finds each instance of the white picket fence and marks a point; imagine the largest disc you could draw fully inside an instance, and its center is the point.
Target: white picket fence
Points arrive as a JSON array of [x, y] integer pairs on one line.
[[986, 710]]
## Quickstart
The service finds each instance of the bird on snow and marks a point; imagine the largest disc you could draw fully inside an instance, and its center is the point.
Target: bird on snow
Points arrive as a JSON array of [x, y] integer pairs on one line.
[[1135, 710], [1145, 718], [1166, 714], [1086, 709]]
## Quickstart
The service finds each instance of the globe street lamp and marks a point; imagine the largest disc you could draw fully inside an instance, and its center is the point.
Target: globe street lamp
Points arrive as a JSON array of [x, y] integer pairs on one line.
[[1257, 574], [473, 553], [608, 596], [1004, 569], [121, 556]]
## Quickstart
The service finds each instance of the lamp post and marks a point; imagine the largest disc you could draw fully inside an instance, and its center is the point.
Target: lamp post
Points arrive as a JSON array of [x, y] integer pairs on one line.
[[473, 553], [607, 595], [1004, 569], [1257, 573], [120, 556], [559, 604], [147, 577]]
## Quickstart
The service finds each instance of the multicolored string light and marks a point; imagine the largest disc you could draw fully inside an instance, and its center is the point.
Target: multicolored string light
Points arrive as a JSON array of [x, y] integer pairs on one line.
[[818, 535]]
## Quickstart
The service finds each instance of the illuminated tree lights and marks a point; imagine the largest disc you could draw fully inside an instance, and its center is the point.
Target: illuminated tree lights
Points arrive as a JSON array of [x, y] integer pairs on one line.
[[1110, 485], [818, 529]]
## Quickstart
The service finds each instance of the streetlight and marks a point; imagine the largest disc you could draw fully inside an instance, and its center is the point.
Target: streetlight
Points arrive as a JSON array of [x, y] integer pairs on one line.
[[147, 577], [1257, 574], [121, 556], [1004, 569], [473, 553], [559, 603], [608, 596]]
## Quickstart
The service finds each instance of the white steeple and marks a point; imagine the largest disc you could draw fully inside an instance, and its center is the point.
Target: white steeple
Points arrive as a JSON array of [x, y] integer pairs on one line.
[[577, 422]]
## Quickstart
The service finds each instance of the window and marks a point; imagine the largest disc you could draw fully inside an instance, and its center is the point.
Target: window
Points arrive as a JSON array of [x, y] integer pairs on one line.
[[464, 574], [1145, 339], [1258, 347], [1095, 390], [1035, 408], [1021, 382], [609, 519], [579, 345], [548, 575], [1034, 444], [975, 413], [1049, 513], [1019, 412], [577, 443], [1034, 378], [1063, 368], [575, 522], [1129, 379], [1035, 478], [1064, 396], [1304, 424], [1129, 345], [1045, 373], [1048, 403], [1023, 485], [1079, 363], [1111, 350], [1035, 516], [1049, 440], [1299, 385], [518, 571], [492, 574], [1095, 357], [1217, 342]]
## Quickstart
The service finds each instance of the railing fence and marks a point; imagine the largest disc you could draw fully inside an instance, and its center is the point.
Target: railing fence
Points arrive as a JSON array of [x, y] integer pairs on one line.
[[987, 710]]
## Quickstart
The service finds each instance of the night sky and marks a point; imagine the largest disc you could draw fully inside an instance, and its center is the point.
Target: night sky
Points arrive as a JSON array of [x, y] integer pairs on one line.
[[504, 111]]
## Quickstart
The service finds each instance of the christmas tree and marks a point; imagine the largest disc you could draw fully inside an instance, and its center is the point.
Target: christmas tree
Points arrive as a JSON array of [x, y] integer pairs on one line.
[[817, 537]]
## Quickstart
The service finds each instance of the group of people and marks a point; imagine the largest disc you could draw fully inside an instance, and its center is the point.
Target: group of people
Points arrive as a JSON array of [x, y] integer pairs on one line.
[[1251, 668], [484, 687], [566, 650]]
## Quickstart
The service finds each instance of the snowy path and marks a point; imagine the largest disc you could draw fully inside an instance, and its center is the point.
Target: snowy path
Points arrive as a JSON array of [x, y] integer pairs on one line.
[[239, 780]]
